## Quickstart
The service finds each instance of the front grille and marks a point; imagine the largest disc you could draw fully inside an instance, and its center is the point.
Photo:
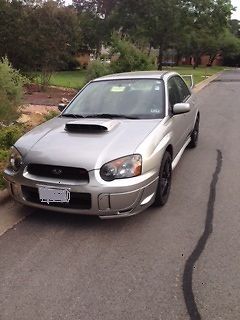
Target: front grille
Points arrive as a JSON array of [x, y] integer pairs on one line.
[[77, 200], [58, 172]]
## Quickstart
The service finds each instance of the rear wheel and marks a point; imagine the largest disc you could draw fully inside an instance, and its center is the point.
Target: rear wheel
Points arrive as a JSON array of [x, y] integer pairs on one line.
[[195, 134], [164, 182]]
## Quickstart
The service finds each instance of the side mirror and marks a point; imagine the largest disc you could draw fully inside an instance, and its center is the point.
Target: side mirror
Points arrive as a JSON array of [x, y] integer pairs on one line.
[[61, 106], [180, 108]]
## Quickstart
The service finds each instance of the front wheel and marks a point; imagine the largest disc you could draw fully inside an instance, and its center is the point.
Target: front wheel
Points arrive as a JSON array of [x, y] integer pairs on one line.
[[164, 182]]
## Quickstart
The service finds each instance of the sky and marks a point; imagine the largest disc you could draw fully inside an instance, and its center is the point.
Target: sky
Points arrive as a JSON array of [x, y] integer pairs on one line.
[[235, 3], [236, 14]]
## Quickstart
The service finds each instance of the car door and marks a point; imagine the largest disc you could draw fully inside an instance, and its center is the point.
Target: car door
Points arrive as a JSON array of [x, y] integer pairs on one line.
[[185, 96], [177, 122]]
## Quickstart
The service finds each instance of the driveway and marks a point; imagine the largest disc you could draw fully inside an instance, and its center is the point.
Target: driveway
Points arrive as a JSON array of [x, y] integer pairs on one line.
[[180, 262]]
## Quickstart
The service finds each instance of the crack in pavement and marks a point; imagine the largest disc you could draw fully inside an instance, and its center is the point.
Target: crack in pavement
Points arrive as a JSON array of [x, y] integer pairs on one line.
[[191, 261]]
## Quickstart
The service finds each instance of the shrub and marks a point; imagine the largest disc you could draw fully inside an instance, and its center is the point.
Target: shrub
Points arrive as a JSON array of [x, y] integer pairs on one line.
[[3, 161], [11, 90], [97, 69], [130, 58], [51, 114], [9, 135]]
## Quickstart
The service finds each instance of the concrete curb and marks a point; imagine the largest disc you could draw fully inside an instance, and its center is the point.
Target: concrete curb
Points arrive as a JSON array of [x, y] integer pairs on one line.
[[11, 214], [201, 85]]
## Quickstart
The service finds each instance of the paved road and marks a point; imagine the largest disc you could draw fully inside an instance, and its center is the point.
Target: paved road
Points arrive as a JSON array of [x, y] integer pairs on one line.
[[179, 262]]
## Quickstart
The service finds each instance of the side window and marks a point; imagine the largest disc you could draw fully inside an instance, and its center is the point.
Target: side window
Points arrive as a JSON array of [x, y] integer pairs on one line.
[[182, 88], [173, 92]]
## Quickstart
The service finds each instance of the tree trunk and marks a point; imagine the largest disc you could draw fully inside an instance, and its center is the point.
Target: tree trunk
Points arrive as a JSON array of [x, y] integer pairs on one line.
[[211, 59], [160, 57], [196, 61], [149, 49], [178, 57]]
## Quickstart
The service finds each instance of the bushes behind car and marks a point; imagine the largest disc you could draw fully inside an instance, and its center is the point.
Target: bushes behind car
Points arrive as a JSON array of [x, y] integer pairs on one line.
[[97, 69], [129, 57], [8, 136], [11, 90], [126, 57]]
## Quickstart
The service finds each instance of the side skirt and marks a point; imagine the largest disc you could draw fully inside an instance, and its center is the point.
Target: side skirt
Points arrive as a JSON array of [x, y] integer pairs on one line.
[[180, 153]]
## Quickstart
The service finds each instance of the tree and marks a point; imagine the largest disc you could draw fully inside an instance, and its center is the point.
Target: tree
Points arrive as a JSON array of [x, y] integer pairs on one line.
[[54, 39], [38, 36], [130, 57], [97, 7], [157, 22], [13, 32], [92, 31], [207, 19], [94, 22], [234, 27]]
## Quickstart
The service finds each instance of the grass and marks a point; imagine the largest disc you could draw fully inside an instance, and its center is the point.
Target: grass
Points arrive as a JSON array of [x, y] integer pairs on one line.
[[76, 79], [199, 74], [69, 79]]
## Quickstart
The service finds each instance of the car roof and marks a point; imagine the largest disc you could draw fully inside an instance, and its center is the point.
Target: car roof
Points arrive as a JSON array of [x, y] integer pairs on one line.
[[135, 75]]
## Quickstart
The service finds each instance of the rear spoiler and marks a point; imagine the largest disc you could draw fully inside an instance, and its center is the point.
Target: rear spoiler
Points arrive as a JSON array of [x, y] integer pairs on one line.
[[189, 79]]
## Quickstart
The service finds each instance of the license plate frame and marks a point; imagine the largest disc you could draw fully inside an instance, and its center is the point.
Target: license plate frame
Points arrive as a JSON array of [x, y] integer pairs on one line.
[[52, 194]]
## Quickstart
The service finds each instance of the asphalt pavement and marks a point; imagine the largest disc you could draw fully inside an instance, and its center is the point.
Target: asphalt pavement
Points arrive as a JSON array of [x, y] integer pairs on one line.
[[179, 262]]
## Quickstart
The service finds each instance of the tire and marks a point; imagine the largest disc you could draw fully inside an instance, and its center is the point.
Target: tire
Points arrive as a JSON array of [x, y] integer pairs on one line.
[[164, 182], [195, 134]]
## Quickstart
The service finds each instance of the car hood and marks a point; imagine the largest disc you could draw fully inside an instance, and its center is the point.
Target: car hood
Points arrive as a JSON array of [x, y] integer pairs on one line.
[[50, 143]]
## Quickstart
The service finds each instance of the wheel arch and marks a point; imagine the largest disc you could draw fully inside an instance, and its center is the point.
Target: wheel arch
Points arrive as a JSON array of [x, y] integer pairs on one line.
[[170, 150], [197, 116]]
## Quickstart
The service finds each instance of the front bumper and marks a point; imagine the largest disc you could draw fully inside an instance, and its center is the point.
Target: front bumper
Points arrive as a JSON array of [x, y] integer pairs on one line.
[[118, 198]]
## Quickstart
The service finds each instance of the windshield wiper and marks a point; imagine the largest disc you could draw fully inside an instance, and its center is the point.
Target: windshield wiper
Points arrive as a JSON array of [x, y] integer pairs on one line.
[[72, 115], [110, 116]]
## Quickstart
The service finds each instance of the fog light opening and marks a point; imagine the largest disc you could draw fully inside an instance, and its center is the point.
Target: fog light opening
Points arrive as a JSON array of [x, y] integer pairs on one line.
[[147, 199]]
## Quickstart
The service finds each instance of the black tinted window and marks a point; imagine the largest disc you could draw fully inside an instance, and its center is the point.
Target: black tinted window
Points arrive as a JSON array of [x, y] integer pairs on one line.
[[173, 92], [182, 88]]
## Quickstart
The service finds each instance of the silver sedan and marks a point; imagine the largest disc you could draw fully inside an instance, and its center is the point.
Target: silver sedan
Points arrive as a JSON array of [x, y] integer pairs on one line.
[[112, 149]]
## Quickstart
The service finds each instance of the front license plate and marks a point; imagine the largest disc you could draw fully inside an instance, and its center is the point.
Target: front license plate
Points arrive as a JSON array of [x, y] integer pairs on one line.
[[53, 194]]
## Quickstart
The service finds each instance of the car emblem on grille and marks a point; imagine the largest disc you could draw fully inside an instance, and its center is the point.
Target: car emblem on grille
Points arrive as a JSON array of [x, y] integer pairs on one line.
[[57, 172]]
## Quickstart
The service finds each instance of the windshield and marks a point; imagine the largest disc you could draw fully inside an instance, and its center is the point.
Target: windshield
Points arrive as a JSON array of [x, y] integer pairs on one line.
[[128, 98]]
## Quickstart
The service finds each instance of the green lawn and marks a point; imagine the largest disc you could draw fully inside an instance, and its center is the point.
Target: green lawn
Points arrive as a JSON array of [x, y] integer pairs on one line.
[[76, 79], [69, 79], [199, 74]]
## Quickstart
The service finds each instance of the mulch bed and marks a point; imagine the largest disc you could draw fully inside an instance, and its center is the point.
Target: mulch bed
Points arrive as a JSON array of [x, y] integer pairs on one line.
[[51, 97]]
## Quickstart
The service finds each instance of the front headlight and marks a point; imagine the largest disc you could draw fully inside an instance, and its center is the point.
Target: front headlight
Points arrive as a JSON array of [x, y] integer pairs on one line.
[[15, 159], [126, 167]]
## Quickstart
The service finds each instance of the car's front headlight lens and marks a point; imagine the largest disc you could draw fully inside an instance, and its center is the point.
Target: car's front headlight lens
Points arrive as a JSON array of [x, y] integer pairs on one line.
[[15, 159], [126, 167]]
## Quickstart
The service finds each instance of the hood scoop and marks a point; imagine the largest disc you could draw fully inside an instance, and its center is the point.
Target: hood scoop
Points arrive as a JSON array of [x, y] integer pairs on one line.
[[90, 126]]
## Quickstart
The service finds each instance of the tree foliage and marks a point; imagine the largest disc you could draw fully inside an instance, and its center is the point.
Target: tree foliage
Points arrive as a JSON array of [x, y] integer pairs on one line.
[[38, 36], [42, 35], [130, 58]]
